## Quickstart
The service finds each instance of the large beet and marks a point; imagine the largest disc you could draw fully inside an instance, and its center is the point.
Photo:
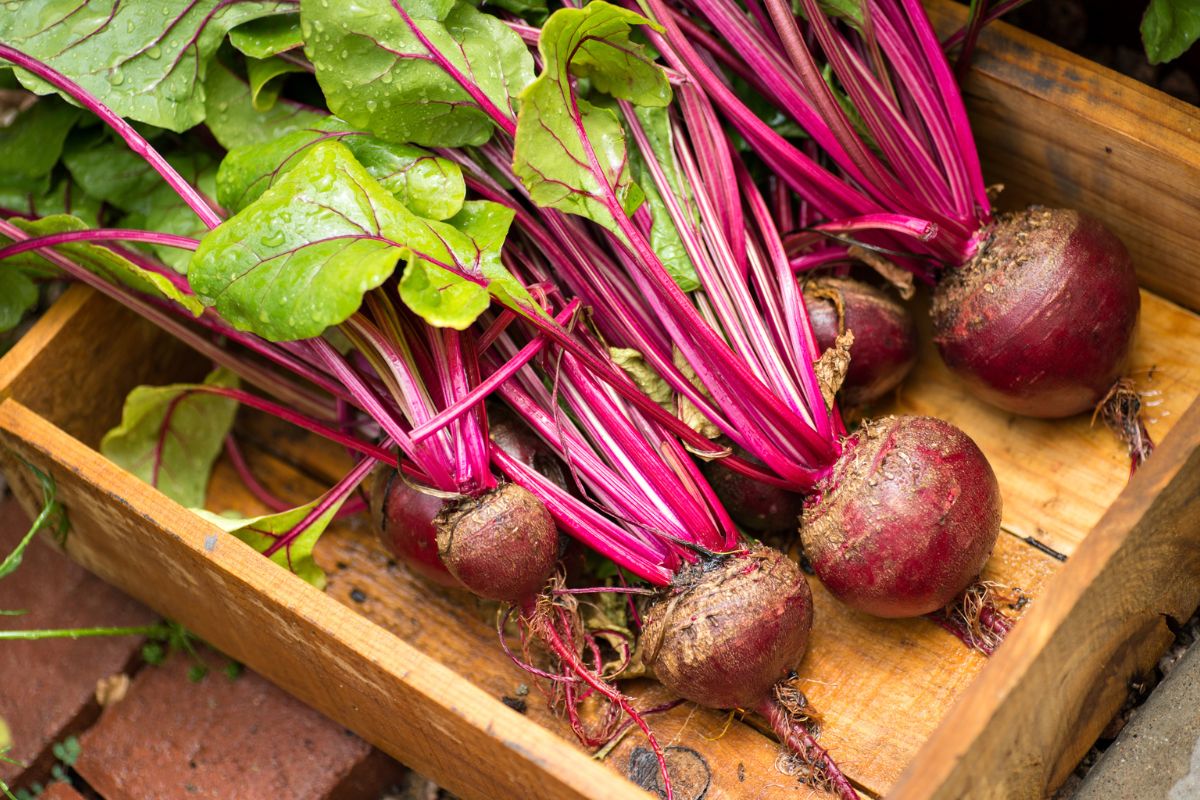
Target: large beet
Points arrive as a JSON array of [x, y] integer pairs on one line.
[[502, 545], [403, 517], [885, 338], [906, 520], [725, 635], [1040, 322]]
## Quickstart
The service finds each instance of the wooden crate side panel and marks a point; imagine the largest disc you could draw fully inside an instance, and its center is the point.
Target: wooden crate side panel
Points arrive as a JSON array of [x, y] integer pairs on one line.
[[78, 363], [1051, 688], [1057, 129], [130, 535]]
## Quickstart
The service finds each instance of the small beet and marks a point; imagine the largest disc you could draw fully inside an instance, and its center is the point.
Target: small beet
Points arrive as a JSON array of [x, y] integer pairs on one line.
[[403, 517], [515, 437], [726, 634], [502, 545], [906, 520], [754, 505], [1041, 321], [885, 338]]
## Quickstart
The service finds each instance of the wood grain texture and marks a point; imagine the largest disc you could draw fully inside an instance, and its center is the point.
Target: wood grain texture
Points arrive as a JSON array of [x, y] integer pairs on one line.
[[1089, 465], [1057, 129], [1063, 673], [333, 658]]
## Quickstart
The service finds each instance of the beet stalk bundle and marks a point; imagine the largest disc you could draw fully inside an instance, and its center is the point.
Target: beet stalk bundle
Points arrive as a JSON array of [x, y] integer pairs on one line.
[[1035, 310]]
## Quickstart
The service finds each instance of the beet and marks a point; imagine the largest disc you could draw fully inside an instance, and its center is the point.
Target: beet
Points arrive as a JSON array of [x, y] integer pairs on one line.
[[906, 520], [502, 545], [754, 505], [403, 518], [885, 338], [1041, 321], [726, 634], [515, 437]]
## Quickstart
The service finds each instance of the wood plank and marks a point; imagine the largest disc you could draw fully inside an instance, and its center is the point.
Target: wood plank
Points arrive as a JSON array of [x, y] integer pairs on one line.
[[1049, 691], [458, 630], [84, 356], [1060, 476], [333, 658], [882, 685], [1057, 129]]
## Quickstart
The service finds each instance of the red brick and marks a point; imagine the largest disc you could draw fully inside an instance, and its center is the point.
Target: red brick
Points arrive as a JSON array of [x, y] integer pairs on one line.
[[47, 687], [223, 738], [60, 791]]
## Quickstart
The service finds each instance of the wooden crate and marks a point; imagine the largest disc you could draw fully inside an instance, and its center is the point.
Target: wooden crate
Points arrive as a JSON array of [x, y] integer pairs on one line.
[[908, 711]]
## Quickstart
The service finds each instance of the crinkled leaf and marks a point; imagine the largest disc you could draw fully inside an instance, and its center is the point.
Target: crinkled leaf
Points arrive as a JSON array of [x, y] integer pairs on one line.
[[265, 78], [300, 257], [170, 436], [261, 532], [378, 76], [645, 376], [268, 36], [1169, 28], [664, 235], [594, 42], [446, 299], [692, 416], [429, 186], [31, 145], [145, 60], [101, 261], [18, 294], [570, 153], [235, 122]]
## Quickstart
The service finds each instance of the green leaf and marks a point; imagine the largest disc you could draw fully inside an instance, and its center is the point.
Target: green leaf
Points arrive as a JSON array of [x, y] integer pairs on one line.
[[268, 36], [144, 60], [534, 11], [18, 295], [261, 532], [101, 261], [65, 197], [235, 122], [1169, 28], [559, 134], [445, 299], [170, 436], [300, 257], [32, 144], [645, 376], [378, 76], [664, 235], [429, 186], [114, 174], [262, 74]]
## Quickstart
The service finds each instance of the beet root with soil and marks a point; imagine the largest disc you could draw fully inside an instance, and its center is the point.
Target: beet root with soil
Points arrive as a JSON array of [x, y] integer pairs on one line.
[[885, 338], [906, 520], [502, 545], [728, 632], [1041, 321]]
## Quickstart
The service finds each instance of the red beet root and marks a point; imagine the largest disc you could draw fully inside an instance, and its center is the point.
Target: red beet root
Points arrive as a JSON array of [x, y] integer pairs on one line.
[[726, 635], [1041, 321], [403, 517], [885, 338], [754, 505], [516, 438], [906, 520], [502, 545]]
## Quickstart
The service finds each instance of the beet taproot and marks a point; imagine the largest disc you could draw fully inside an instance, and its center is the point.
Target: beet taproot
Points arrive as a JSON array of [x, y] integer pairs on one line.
[[906, 519], [885, 338], [1041, 321], [403, 518], [502, 545]]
